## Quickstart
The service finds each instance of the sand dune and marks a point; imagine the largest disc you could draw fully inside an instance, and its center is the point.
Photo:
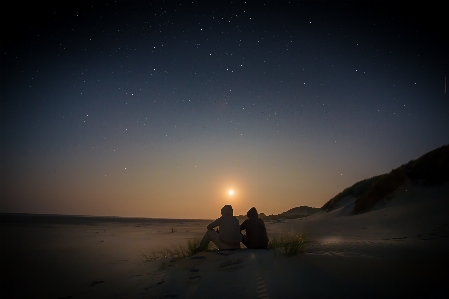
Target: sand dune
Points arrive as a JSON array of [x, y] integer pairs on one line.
[[399, 249]]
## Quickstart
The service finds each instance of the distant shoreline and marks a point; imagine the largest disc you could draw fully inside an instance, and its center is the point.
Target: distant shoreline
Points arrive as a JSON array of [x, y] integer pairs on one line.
[[12, 218]]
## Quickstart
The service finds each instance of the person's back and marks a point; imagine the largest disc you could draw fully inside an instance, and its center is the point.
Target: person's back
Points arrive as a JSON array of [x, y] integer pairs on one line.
[[229, 235], [229, 229], [256, 233]]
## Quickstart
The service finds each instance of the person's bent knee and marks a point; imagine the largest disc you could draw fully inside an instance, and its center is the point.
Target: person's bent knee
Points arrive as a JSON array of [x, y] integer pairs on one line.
[[213, 235]]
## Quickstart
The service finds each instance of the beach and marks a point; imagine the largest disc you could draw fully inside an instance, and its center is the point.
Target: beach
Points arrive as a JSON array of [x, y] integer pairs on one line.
[[398, 249]]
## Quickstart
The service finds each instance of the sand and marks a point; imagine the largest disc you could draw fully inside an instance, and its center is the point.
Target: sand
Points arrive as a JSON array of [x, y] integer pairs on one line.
[[398, 250]]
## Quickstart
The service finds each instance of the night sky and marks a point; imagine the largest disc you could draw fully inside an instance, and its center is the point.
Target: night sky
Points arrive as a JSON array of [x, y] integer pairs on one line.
[[157, 109]]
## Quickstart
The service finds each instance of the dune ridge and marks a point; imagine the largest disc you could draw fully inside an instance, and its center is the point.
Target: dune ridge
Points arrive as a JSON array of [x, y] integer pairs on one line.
[[430, 169]]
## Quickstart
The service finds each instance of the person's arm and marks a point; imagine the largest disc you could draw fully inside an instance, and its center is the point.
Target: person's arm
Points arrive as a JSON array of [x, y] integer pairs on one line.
[[243, 225], [213, 224]]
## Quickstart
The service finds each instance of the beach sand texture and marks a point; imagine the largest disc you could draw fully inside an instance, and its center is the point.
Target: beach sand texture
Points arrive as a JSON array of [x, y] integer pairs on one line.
[[397, 250]]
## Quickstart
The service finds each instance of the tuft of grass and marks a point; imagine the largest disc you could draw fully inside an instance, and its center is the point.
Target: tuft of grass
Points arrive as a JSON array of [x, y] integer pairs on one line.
[[177, 251], [192, 245], [289, 244]]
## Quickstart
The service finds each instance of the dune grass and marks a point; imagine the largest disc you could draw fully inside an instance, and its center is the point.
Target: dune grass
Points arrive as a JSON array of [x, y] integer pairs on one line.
[[357, 190], [288, 244], [429, 169], [177, 251]]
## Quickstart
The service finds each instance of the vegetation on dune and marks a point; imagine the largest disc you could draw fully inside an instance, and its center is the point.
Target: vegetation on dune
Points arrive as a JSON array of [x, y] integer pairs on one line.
[[431, 168], [358, 189], [289, 244], [385, 185], [177, 251]]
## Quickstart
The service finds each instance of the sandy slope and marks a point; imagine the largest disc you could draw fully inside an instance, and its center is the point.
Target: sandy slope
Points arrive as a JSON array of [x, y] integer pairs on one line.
[[399, 249]]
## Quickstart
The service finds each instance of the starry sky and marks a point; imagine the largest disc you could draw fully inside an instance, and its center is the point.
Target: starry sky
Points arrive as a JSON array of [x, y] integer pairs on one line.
[[159, 108]]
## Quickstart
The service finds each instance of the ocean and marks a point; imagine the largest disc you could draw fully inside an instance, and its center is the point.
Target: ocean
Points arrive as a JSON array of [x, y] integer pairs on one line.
[[36, 219]]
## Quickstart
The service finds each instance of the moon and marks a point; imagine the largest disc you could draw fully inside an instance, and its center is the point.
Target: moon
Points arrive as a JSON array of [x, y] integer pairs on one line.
[[231, 192]]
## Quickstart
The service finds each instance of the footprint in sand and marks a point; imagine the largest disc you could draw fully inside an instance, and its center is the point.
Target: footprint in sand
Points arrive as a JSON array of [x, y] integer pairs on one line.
[[194, 278], [225, 253], [201, 257], [159, 276], [231, 265], [261, 290], [157, 283], [95, 282]]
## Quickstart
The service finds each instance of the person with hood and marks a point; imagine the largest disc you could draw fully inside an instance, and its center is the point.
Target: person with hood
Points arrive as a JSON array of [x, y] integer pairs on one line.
[[256, 233], [228, 235]]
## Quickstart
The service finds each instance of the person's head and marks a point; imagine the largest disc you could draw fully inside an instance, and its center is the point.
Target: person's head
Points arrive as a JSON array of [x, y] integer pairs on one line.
[[252, 213], [227, 210]]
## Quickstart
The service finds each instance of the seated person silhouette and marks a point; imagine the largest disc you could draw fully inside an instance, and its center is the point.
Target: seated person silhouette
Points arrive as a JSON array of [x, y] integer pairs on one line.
[[256, 233], [227, 237]]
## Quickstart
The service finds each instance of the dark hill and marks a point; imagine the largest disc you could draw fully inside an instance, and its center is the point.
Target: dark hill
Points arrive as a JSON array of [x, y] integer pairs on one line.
[[431, 168], [301, 211], [294, 213]]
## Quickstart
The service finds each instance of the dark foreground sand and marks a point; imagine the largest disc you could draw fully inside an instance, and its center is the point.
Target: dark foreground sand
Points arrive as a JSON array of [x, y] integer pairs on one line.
[[398, 250]]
